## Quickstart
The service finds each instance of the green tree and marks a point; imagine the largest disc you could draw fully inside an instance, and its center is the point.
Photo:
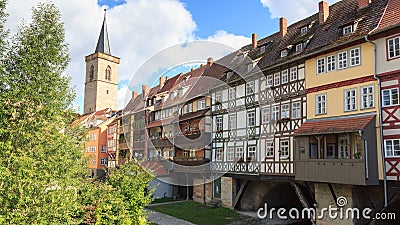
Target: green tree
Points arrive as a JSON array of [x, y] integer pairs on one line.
[[43, 175]]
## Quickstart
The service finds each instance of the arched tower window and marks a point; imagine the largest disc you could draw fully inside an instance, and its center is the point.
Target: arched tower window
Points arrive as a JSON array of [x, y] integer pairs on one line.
[[108, 73], [91, 73]]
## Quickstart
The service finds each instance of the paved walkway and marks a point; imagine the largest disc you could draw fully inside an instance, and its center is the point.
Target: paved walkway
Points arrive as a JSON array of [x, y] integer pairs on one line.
[[163, 219]]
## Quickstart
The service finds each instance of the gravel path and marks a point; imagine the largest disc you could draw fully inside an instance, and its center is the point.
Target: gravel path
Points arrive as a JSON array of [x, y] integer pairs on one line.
[[163, 219]]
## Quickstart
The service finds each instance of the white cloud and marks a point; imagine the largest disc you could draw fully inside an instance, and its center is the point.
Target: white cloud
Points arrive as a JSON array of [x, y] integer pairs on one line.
[[137, 30], [293, 10]]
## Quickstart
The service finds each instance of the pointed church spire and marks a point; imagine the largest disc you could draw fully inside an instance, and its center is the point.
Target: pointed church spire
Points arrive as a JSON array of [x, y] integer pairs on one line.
[[103, 44]]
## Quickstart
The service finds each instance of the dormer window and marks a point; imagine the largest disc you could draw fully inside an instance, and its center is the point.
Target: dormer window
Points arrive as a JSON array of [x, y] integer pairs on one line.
[[304, 30], [249, 67], [262, 49], [299, 47], [284, 53], [347, 30]]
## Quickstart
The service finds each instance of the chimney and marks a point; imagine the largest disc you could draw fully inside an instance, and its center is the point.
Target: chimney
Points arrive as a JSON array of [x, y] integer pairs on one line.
[[323, 11], [162, 80], [282, 27], [134, 94], [254, 40], [363, 3], [145, 91], [210, 61]]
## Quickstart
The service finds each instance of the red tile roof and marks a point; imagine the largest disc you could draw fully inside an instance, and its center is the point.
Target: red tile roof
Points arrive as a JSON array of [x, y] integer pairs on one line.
[[334, 125], [391, 18], [162, 122]]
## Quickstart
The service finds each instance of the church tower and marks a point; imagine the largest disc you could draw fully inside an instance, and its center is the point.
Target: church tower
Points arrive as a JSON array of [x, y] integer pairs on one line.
[[101, 83]]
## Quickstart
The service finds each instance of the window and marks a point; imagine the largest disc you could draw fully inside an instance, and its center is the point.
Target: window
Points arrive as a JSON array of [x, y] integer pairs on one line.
[[284, 53], [94, 136], [249, 67], [91, 73], [285, 76], [269, 80], [265, 115], [94, 161], [330, 151], [330, 63], [251, 153], [108, 73], [355, 57], [293, 73], [350, 100], [201, 104], [296, 110], [239, 153], [103, 161], [188, 108], [347, 30], [284, 149], [230, 154], [250, 87], [299, 47], [103, 148], [218, 96], [219, 124], [232, 122], [275, 112], [303, 30], [343, 148], [320, 65], [270, 149], [87, 148], [92, 148], [320, 104], [277, 79], [251, 119], [392, 148], [393, 47], [232, 94], [262, 49], [342, 60], [219, 154], [390, 97], [285, 111], [157, 115], [367, 97]]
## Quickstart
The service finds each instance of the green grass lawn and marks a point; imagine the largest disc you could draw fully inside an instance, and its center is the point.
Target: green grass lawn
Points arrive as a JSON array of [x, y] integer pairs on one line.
[[162, 200], [198, 213]]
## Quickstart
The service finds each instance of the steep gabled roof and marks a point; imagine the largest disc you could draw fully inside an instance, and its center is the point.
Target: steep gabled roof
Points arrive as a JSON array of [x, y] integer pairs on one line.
[[103, 44]]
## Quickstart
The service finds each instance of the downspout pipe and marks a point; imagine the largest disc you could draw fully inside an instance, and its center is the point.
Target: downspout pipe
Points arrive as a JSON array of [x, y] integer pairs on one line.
[[380, 120]]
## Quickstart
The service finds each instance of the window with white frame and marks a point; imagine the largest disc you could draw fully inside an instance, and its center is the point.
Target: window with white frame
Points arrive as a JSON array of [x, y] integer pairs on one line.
[[232, 94], [265, 115], [94, 161], [392, 148], [275, 112], [87, 148], [344, 148], [285, 76], [320, 104], [347, 30], [103, 148], [219, 124], [249, 67], [284, 149], [269, 80], [230, 154], [251, 119], [94, 136], [251, 153], [270, 149], [239, 152], [342, 60], [92, 148], [219, 154], [320, 65], [250, 87], [393, 47], [330, 63], [293, 73], [367, 97], [284, 53], [232, 122], [296, 110], [303, 30], [277, 79], [218, 96], [285, 111], [355, 57], [103, 161], [299, 47], [201, 104], [390, 97], [350, 99]]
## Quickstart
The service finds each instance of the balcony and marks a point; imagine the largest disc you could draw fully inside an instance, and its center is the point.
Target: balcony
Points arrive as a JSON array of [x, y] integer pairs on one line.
[[236, 167], [160, 142], [190, 161], [193, 140]]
